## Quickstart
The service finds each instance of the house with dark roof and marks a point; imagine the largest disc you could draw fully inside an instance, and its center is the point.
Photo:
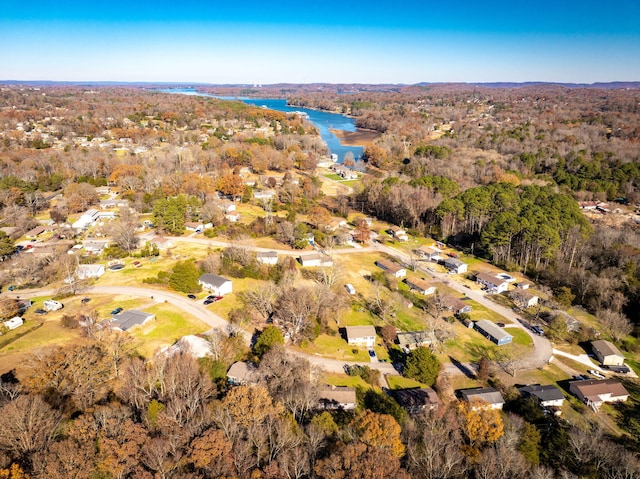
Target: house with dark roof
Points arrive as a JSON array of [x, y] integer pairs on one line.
[[392, 268], [595, 392], [361, 335], [493, 332], [417, 400], [455, 265], [126, 320], [482, 398], [420, 285], [547, 395], [216, 284], [607, 353], [337, 397]]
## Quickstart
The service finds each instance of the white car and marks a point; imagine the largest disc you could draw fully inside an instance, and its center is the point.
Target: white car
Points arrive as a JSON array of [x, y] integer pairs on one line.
[[595, 373]]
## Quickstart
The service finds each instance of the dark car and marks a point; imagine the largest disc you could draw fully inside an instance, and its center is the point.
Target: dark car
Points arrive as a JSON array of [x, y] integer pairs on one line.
[[372, 353], [86, 300], [537, 330], [191, 296], [41, 311], [211, 297], [500, 325], [208, 301], [116, 311]]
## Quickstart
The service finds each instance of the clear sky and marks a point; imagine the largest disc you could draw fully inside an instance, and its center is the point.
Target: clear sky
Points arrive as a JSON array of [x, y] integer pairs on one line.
[[330, 41]]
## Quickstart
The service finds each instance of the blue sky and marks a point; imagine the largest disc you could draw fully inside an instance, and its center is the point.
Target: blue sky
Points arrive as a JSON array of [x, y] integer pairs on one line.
[[330, 41]]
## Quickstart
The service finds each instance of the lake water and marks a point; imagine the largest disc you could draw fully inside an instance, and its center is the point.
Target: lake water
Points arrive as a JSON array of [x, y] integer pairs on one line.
[[322, 120]]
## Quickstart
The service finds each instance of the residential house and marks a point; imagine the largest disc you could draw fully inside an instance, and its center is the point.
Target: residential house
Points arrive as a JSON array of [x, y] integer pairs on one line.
[[337, 397], [126, 320], [493, 332], [241, 373], [547, 395], [392, 268], [523, 285], [420, 285], [194, 226], [267, 257], [417, 400], [527, 299], [35, 232], [361, 336], [88, 218], [482, 398], [94, 247], [455, 265], [457, 306], [398, 233], [493, 283], [227, 206], [108, 204], [607, 353], [429, 253], [162, 242], [216, 284], [335, 224], [315, 259], [594, 392], [13, 323], [232, 216], [264, 194], [410, 340], [194, 345]]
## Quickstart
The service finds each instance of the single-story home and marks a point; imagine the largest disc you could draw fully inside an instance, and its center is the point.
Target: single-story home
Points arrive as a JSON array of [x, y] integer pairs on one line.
[[216, 284], [477, 396], [547, 395], [417, 400], [429, 253], [361, 336], [194, 345], [88, 218], [457, 306], [493, 332], [594, 392], [264, 194], [335, 224], [392, 268], [455, 265], [194, 226], [337, 397], [232, 216], [523, 285], [315, 259], [420, 285], [35, 232], [162, 242], [523, 298], [607, 353], [493, 283], [94, 247], [242, 373], [108, 204], [267, 257], [126, 320], [13, 323], [414, 339], [399, 233]]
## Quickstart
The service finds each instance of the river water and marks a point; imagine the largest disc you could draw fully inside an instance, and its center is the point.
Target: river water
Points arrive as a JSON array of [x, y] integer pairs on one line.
[[322, 120]]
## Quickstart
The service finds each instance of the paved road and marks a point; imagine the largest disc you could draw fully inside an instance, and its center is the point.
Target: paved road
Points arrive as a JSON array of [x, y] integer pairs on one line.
[[542, 349]]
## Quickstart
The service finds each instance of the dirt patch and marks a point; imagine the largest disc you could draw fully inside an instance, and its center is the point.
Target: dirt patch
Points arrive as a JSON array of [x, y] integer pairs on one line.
[[356, 138]]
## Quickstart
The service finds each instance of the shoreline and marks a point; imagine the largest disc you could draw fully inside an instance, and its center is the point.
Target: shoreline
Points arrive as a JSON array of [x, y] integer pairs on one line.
[[359, 137]]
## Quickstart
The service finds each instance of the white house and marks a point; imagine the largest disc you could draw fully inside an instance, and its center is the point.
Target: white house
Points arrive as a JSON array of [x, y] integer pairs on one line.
[[493, 283], [94, 247], [392, 268], [594, 392], [216, 284], [547, 395], [52, 305], [13, 323], [420, 285], [607, 353], [399, 233], [315, 259], [429, 253], [482, 398], [361, 336], [267, 257], [88, 218], [455, 265]]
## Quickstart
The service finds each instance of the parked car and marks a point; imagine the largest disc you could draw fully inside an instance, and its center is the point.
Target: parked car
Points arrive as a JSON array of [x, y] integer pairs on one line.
[[500, 325], [41, 311], [618, 369], [207, 301], [372, 353], [537, 330], [191, 296], [137, 264], [595, 373], [116, 311]]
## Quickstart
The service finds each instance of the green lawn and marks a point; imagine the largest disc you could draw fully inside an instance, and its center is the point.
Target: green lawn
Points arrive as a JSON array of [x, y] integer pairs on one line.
[[333, 176], [335, 347], [400, 382], [520, 336], [344, 380]]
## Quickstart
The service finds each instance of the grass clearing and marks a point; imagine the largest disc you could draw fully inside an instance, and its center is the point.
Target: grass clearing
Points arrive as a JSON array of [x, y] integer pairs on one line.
[[399, 382], [344, 380], [334, 347]]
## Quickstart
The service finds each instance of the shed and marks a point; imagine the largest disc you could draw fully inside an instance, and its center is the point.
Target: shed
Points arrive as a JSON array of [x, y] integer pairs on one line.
[[493, 332], [216, 284]]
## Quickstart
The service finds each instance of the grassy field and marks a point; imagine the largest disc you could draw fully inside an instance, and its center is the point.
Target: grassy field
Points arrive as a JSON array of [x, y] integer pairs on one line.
[[399, 382], [335, 347], [344, 380], [169, 325]]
